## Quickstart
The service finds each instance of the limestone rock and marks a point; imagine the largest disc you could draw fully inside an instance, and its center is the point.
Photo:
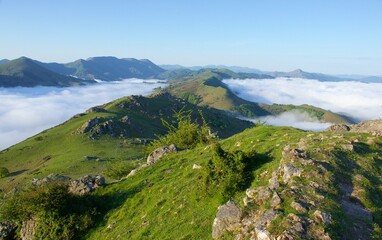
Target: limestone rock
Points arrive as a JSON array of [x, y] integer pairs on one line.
[[298, 207], [227, 218], [95, 109], [7, 230], [28, 229], [88, 125], [290, 171], [50, 178], [86, 184], [160, 152], [322, 217], [196, 166], [338, 128], [262, 233], [259, 194], [276, 200]]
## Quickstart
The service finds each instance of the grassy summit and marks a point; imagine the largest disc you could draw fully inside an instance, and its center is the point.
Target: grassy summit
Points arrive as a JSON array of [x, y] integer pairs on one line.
[[26, 72], [205, 88], [117, 131]]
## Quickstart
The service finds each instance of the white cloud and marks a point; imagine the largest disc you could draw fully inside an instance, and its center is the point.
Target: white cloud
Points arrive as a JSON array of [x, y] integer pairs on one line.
[[361, 101], [297, 119], [28, 111]]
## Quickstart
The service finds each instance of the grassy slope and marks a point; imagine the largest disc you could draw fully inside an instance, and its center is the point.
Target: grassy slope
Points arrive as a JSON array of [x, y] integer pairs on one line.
[[27, 73], [62, 150], [165, 201], [206, 88]]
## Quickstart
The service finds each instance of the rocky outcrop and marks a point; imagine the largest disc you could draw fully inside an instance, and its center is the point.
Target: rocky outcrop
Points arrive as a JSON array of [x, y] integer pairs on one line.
[[86, 184], [338, 128], [50, 178], [95, 109], [88, 125], [227, 218], [268, 201], [82, 186], [7, 230], [28, 229], [160, 152], [373, 127], [101, 126]]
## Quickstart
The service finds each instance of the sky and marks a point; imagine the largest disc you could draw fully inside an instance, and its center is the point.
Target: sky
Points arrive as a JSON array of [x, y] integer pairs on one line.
[[335, 37]]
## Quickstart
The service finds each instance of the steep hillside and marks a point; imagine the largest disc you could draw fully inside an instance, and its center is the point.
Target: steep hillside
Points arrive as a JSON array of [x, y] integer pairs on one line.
[[107, 68], [205, 88], [302, 185], [26, 73], [115, 132]]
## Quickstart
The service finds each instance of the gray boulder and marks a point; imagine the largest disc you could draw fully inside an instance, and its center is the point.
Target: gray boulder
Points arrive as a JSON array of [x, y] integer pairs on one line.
[[290, 171], [227, 218], [160, 152], [7, 230], [86, 184]]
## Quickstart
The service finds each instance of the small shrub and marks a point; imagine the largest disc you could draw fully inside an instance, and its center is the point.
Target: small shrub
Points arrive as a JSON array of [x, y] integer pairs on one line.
[[184, 133], [4, 172], [226, 172]]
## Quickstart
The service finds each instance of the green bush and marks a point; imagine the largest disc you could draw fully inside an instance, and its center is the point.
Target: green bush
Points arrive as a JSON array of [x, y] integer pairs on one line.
[[184, 133], [226, 172], [4, 172], [59, 213]]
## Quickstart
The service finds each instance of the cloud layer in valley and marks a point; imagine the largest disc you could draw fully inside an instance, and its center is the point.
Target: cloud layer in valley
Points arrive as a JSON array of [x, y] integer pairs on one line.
[[27, 111], [361, 101]]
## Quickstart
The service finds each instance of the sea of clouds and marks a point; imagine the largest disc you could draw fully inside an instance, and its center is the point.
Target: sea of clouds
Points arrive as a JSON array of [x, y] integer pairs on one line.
[[360, 101], [25, 112]]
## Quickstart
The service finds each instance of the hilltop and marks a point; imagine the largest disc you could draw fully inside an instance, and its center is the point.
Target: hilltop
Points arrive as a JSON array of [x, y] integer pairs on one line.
[[25, 72], [107, 68], [117, 131], [205, 88]]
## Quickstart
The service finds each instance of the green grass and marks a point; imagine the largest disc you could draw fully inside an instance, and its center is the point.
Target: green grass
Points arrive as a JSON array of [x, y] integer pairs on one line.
[[62, 149], [206, 88]]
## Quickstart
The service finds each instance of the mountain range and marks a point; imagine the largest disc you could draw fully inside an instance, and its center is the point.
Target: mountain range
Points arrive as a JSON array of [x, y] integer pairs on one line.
[[22, 72], [298, 73], [27, 73]]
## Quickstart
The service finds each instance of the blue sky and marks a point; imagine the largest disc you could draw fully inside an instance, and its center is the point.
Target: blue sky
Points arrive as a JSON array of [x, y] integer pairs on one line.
[[330, 36]]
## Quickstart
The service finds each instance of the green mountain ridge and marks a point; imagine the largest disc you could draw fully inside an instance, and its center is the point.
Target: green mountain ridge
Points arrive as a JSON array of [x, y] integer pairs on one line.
[[205, 88], [107, 68], [112, 132], [25, 72]]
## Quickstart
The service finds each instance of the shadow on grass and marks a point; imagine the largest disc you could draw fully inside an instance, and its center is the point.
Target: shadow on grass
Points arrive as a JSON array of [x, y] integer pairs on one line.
[[255, 161], [107, 202], [12, 174]]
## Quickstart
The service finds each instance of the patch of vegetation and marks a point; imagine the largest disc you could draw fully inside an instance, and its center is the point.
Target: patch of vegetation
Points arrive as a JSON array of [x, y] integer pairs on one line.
[[227, 171], [119, 169], [184, 132], [4, 172], [59, 214]]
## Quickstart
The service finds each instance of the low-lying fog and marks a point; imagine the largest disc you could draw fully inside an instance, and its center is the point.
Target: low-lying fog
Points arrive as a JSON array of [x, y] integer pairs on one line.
[[360, 101], [28, 111], [25, 112]]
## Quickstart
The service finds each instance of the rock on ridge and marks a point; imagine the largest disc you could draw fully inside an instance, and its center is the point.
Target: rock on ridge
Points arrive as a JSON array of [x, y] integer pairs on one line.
[[227, 219], [160, 152]]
